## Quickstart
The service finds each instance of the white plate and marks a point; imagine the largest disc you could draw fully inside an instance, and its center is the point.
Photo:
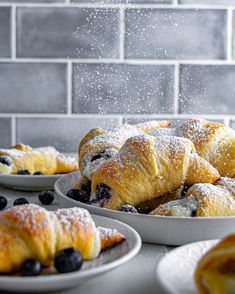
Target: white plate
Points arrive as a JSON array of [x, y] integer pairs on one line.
[[29, 182], [175, 271], [155, 229], [107, 261]]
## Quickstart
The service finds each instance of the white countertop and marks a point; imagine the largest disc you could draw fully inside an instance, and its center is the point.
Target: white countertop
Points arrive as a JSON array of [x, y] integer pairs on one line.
[[135, 277]]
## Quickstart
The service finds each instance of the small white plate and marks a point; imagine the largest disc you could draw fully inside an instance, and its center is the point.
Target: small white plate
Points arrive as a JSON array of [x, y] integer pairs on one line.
[[107, 261], [175, 271], [29, 182], [154, 229]]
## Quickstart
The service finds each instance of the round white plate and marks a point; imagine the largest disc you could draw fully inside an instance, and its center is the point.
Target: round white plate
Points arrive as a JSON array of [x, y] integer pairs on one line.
[[107, 261], [175, 271], [154, 229], [29, 182]]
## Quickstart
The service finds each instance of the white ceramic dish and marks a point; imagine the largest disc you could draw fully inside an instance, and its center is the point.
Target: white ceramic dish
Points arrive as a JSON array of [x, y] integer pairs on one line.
[[175, 271], [107, 261], [153, 229], [29, 182]]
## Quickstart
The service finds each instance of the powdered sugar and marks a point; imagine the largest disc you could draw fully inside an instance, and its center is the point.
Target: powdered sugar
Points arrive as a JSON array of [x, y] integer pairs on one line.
[[106, 233]]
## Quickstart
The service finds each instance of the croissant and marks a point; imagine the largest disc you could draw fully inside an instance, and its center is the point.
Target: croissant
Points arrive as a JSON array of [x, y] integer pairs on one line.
[[46, 160], [215, 271], [30, 231], [147, 167], [203, 200], [99, 145], [213, 141]]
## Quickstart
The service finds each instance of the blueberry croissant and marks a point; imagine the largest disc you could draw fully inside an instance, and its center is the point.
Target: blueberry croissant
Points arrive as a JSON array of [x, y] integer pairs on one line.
[[99, 145], [147, 167], [30, 231], [46, 160], [215, 273], [213, 141]]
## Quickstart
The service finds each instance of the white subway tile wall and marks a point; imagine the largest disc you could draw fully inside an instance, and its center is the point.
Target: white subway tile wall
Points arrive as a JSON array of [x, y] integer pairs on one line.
[[70, 65]]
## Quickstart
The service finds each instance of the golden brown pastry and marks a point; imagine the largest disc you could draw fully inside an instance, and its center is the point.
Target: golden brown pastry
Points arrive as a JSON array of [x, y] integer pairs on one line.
[[99, 145], [30, 231], [147, 167], [46, 160], [213, 141], [202, 200], [215, 273], [228, 184]]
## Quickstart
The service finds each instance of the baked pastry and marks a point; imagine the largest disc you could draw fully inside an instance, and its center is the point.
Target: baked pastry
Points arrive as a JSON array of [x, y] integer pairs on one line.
[[213, 141], [215, 271], [202, 200], [228, 184], [147, 167], [99, 145], [30, 231], [46, 160]]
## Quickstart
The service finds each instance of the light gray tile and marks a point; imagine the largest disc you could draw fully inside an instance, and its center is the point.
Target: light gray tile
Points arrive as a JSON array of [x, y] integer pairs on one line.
[[150, 1], [100, 1], [5, 32], [5, 132], [68, 32], [173, 34], [63, 133], [232, 124], [210, 2], [122, 88], [32, 87], [32, 1], [207, 89]]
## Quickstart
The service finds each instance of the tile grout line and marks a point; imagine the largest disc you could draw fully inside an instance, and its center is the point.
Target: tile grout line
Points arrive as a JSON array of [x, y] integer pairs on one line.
[[13, 130], [229, 34], [69, 87], [176, 88], [13, 33], [122, 34]]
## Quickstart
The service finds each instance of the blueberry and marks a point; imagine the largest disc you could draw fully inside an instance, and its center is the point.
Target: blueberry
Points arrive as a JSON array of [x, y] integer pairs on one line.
[[194, 213], [3, 202], [129, 208], [38, 173], [103, 192], [101, 155], [20, 201], [31, 267], [86, 187], [68, 260], [5, 160], [78, 195], [23, 172], [46, 197]]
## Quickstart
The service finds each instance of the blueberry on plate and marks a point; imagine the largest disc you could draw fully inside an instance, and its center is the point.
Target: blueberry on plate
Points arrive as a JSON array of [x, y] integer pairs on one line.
[[38, 173], [46, 197], [3, 202], [31, 267], [20, 201], [78, 195], [23, 172], [68, 260], [129, 208]]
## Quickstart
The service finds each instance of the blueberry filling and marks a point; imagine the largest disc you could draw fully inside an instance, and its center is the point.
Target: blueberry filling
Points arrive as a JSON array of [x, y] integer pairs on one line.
[[4, 160], [78, 195], [86, 187], [129, 208], [101, 155], [38, 173], [194, 213], [102, 194], [23, 172]]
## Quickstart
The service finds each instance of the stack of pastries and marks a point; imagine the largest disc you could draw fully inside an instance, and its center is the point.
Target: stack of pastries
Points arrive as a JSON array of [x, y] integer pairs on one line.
[[153, 168]]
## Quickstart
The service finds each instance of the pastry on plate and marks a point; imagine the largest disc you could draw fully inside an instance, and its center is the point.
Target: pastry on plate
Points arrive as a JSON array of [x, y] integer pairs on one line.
[[202, 200], [31, 232], [99, 145], [147, 167], [213, 141], [43, 160], [215, 273]]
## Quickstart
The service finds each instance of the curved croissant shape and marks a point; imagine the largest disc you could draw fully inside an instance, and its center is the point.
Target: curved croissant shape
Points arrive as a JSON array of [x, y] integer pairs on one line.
[[147, 167], [30, 231], [46, 160], [99, 145], [215, 271], [213, 141], [202, 200]]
